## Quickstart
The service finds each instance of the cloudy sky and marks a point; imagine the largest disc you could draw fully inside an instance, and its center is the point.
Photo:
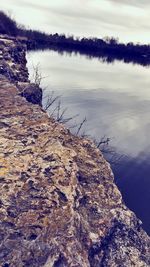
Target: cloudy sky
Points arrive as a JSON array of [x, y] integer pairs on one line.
[[127, 19]]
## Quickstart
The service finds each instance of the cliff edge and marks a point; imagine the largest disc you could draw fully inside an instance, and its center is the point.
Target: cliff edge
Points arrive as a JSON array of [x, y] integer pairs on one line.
[[59, 205]]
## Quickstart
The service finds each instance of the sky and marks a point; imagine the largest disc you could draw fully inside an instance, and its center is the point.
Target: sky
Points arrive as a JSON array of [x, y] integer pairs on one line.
[[128, 20]]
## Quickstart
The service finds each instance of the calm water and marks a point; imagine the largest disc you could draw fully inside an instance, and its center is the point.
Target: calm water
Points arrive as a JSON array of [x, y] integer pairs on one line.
[[115, 99]]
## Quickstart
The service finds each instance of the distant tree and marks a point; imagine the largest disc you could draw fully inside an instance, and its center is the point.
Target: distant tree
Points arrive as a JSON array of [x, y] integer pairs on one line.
[[7, 24], [111, 40]]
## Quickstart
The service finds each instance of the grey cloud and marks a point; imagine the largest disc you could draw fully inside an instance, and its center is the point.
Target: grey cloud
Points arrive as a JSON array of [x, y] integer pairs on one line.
[[81, 13], [85, 18], [107, 18], [135, 3]]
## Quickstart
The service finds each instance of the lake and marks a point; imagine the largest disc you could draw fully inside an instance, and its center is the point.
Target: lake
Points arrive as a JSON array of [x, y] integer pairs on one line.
[[115, 99]]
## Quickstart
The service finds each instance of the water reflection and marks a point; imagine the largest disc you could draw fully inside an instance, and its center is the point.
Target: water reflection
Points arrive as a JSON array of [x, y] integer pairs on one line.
[[103, 56], [135, 184], [115, 99]]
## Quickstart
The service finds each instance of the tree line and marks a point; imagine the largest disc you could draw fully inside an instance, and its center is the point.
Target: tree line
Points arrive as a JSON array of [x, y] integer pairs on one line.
[[107, 48]]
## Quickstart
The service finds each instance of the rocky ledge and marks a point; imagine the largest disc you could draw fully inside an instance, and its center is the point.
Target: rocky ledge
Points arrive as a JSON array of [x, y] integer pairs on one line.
[[59, 205]]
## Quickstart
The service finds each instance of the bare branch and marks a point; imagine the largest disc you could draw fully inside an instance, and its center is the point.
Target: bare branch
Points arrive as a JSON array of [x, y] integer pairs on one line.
[[80, 126]]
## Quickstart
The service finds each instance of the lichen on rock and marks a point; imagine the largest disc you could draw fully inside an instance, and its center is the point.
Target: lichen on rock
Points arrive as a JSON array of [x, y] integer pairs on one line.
[[13, 66], [59, 204]]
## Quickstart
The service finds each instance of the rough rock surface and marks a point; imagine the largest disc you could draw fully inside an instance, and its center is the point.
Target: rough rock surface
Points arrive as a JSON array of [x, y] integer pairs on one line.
[[13, 66], [59, 206]]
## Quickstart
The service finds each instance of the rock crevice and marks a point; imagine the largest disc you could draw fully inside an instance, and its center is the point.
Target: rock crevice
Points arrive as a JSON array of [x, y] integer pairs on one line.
[[59, 204]]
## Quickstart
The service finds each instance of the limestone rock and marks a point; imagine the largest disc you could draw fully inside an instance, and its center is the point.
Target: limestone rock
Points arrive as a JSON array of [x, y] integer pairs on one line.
[[13, 66], [59, 205], [12, 59], [32, 92]]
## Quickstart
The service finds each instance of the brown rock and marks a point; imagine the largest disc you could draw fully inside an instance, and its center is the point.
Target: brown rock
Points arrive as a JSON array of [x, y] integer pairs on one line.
[[32, 92], [59, 205]]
